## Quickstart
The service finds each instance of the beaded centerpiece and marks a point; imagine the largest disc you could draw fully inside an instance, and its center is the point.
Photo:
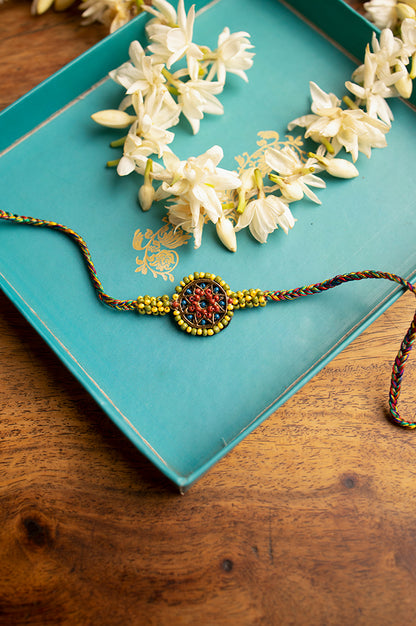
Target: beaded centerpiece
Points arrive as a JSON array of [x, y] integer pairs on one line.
[[202, 304]]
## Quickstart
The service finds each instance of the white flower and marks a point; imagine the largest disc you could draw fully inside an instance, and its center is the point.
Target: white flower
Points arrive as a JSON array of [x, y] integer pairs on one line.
[[180, 215], [163, 11], [197, 97], [295, 176], [198, 182], [155, 114], [384, 56], [408, 36], [135, 153], [171, 44], [112, 13], [148, 134], [140, 74], [408, 32], [373, 91], [264, 215], [382, 13], [231, 55], [353, 130]]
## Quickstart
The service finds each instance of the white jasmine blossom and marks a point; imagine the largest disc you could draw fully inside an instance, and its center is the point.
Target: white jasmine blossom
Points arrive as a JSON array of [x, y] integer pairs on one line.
[[140, 74], [408, 33], [232, 55], [263, 215], [112, 13], [180, 215], [155, 115], [294, 177], [135, 153], [353, 130], [373, 92], [198, 181], [169, 45], [385, 53], [196, 97], [382, 13], [408, 36], [163, 12], [247, 189]]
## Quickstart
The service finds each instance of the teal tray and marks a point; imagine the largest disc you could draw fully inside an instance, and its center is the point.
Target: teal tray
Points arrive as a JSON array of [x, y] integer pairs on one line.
[[185, 401]]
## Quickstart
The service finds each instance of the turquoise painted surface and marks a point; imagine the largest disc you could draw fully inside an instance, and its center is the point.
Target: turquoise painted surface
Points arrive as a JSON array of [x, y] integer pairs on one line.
[[185, 401]]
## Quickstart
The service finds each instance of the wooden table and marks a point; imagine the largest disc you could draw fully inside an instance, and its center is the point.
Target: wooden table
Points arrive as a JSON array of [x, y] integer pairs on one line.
[[310, 520]]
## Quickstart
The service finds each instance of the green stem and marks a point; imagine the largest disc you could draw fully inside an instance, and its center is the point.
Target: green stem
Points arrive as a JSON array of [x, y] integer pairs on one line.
[[118, 142], [113, 163], [259, 182], [328, 147], [350, 104]]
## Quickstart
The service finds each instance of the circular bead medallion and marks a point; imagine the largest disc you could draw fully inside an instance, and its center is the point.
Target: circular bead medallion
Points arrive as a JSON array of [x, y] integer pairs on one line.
[[202, 304]]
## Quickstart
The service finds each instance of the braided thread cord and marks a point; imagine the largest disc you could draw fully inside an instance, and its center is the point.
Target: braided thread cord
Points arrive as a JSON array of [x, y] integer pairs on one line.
[[121, 305], [407, 343], [275, 296]]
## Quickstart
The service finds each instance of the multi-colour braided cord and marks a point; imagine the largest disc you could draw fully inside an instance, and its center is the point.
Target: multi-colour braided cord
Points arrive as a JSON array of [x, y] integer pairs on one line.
[[275, 296], [121, 305], [407, 343]]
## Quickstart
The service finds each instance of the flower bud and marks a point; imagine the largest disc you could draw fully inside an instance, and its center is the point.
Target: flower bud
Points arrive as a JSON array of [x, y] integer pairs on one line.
[[113, 118], [62, 5], [405, 11], [40, 6], [146, 196], [341, 168], [226, 233], [404, 85]]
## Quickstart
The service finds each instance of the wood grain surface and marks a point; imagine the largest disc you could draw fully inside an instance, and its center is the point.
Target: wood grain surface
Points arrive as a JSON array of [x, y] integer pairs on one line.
[[310, 520]]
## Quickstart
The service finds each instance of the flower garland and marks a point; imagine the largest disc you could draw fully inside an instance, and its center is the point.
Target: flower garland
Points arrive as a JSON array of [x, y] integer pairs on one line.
[[197, 189]]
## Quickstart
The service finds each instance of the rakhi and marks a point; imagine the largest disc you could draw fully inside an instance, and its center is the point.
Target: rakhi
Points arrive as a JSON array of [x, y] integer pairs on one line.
[[203, 304]]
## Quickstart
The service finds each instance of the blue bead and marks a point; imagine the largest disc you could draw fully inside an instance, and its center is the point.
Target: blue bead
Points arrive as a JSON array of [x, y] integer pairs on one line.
[[183, 303], [203, 304], [217, 316], [216, 289], [190, 318], [222, 302], [202, 285], [188, 291], [203, 322]]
